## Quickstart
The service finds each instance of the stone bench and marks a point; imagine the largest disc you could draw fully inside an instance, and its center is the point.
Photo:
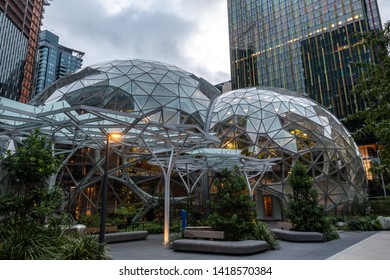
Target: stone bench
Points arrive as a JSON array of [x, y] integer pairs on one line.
[[298, 236], [244, 247], [125, 236], [204, 234]]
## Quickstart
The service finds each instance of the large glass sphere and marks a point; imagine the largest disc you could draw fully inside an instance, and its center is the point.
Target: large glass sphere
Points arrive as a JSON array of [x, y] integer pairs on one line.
[[275, 123]]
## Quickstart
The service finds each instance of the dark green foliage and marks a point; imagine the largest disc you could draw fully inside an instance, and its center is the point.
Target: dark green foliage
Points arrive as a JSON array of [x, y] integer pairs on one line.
[[364, 223], [232, 210], [33, 162], [83, 247], [92, 220], [263, 232], [33, 242], [175, 226], [29, 168], [303, 209], [374, 87], [154, 227], [380, 207], [28, 242], [31, 225]]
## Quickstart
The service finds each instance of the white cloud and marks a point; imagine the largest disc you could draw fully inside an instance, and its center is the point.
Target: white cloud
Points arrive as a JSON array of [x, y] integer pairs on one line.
[[208, 47], [192, 34], [384, 10], [114, 7]]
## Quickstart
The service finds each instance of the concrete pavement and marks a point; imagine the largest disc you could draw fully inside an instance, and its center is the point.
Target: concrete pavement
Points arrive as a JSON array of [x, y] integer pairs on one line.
[[352, 245], [375, 247]]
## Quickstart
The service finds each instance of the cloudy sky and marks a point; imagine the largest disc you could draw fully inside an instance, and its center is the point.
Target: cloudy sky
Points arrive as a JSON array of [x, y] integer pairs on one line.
[[191, 34]]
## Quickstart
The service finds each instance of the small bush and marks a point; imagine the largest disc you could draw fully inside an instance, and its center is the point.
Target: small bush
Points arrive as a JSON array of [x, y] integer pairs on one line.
[[39, 243], [303, 209], [31, 227], [380, 206], [263, 232], [83, 247], [232, 210], [175, 226], [364, 223], [154, 227], [92, 220], [329, 229], [29, 242]]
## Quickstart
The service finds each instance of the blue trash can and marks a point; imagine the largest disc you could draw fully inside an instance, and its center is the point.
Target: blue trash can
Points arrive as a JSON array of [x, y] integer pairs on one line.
[[183, 215]]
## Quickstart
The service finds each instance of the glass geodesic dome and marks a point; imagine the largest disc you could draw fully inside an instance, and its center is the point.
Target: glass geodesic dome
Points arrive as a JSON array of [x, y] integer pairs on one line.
[[276, 123], [264, 123], [137, 85], [163, 92]]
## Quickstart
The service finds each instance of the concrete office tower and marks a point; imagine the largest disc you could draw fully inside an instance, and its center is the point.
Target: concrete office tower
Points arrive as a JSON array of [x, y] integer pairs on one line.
[[309, 47], [54, 60], [20, 22]]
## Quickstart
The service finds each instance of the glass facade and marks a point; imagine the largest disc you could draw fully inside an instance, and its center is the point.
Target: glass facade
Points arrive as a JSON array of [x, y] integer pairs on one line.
[[55, 61], [269, 123], [20, 23], [309, 47], [13, 50]]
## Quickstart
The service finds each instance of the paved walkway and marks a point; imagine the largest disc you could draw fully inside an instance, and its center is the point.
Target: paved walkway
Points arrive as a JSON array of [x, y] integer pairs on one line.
[[352, 245], [375, 247]]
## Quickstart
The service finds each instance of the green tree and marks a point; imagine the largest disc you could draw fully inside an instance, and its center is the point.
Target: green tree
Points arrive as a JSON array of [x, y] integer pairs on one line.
[[29, 169], [30, 224], [374, 87], [232, 209], [303, 209]]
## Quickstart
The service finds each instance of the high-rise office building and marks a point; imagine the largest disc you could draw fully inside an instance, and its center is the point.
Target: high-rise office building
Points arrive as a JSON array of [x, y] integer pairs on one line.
[[54, 60], [20, 22], [307, 46]]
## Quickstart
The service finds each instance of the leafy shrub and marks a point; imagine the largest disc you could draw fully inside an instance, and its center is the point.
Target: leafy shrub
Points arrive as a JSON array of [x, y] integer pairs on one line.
[[262, 232], [380, 206], [28, 242], [154, 227], [303, 209], [83, 247], [43, 243], [175, 226], [364, 223], [30, 226], [92, 220], [329, 228], [232, 210]]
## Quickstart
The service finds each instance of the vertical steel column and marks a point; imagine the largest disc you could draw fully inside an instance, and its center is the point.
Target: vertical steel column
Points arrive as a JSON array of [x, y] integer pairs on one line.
[[167, 202], [103, 212]]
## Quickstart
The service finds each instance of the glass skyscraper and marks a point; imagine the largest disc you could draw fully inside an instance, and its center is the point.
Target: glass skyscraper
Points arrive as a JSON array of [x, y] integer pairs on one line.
[[20, 22], [307, 46], [55, 61]]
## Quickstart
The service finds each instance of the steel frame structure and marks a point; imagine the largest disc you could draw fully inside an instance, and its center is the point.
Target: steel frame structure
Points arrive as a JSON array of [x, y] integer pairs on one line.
[[72, 128]]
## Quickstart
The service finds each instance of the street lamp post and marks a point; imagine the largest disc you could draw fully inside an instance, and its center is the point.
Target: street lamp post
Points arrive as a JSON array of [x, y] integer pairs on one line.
[[382, 180], [103, 213]]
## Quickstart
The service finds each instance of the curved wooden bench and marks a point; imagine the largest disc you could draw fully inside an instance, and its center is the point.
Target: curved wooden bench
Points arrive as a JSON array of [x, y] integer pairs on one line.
[[125, 236], [298, 236], [244, 247]]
